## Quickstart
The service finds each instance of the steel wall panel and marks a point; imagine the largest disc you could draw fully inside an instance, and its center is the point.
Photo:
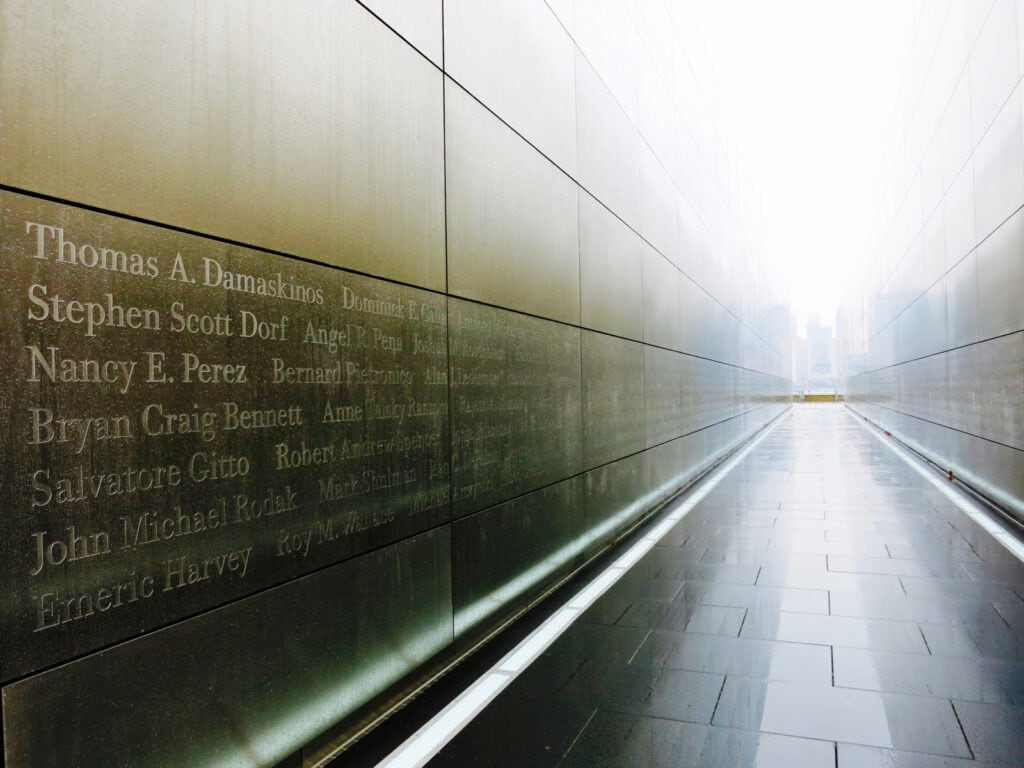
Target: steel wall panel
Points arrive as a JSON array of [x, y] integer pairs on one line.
[[661, 300], [662, 395], [565, 10], [933, 319], [516, 404], [613, 398], [697, 452], [606, 36], [958, 212], [931, 179], [719, 439], [614, 496], [934, 237], [657, 205], [1001, 279], [219, 405], [611, 273], [697, 384], [689, 239], [695, 310], [962, 301], [920, 435], [952, 142], [723, 342], [512, 217], [999, 387], [999, 168], [517, 59], [504, 556], [923, 388], [654, 27], [665, 467], [320, 655], [608, 145], [658, 119], [691, 396], [327, 144], [418, 22], [994, 66], [995, 470]]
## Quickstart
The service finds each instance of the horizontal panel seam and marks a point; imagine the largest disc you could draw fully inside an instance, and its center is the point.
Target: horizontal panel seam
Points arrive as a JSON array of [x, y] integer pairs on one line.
[[937, 424]]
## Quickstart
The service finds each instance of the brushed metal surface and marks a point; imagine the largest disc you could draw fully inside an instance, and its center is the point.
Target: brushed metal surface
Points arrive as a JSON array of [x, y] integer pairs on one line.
[[247, 684], [658, 119], [654, 26], [958, 210], [695, 311], [926, 318], [713, 386], [419, 22], [689, 238], [993, 387], [327, 144], [696, 389], [516, 57], [665, 466], [977, 428], [192, 421], [993, 469], [662, 321], [513, 237], [962, 301], [691, 396], [614, 496], [606, 36], [611, 285], [608, 146], [503, 556], [999, 168], [718, 440], [924, 390], [1001, 279], [516, 404], [955, 140], [994, 66], [663, 400], [613, 398], [565, 10], [997, 471], [657, 206], [960, 406], [721, 340]]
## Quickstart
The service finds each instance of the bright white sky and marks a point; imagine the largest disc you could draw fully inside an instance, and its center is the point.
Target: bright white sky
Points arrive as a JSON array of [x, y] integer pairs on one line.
[[811, 86]]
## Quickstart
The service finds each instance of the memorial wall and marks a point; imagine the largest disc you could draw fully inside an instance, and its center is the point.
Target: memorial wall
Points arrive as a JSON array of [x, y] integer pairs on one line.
[[331, 341], [935, 320]]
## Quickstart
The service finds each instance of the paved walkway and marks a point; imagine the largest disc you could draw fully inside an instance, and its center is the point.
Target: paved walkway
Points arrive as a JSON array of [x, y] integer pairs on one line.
[[823, 606]]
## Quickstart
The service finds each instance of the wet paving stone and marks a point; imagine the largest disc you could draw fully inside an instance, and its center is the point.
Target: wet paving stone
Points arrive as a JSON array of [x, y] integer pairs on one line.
[[823, 606], [614, 740], [914, 723], [745, 657], [989, 681], [840, 631]]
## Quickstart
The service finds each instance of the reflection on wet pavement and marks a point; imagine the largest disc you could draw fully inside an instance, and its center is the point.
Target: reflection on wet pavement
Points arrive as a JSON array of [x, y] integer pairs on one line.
[[824, 605]]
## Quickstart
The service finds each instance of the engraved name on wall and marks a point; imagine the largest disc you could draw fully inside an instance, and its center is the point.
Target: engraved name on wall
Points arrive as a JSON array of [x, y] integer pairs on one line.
[[185, 422], [516, 404]]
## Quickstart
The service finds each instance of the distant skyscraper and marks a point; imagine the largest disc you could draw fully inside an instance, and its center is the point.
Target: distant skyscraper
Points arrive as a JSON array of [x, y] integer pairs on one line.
[[819, 348]]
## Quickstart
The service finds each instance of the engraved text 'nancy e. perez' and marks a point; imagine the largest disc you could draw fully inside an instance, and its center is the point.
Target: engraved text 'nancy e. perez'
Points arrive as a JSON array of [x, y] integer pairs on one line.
[[188, 421]]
